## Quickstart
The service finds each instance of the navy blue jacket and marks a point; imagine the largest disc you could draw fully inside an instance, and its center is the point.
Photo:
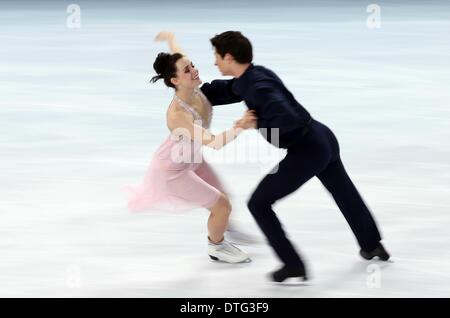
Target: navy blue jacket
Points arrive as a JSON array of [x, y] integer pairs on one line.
[[263, 91]]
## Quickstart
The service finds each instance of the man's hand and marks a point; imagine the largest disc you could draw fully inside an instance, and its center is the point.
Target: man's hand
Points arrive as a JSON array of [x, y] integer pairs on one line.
[[248, 121]]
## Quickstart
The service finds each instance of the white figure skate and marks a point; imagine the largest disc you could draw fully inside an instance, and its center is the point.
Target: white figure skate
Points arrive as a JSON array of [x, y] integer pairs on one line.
[[226, 252]]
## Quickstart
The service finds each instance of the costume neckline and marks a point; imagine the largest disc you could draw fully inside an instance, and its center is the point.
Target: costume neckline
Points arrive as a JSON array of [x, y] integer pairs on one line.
[[191, 109]]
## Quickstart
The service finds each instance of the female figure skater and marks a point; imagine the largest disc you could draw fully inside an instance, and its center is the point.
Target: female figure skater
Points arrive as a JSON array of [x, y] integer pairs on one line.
[[178, 177]]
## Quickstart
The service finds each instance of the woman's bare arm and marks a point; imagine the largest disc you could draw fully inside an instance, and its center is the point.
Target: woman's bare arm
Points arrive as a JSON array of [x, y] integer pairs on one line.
[[171, 41], [181, 123]]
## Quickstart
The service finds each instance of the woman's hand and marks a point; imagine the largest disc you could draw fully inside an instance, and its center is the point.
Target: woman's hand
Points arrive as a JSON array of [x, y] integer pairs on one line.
[[164, 36], [247, 121], [169, 37]]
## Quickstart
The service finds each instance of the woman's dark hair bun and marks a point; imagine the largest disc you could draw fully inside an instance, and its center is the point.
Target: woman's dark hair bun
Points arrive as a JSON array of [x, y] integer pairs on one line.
[[161, 63], [165, 67]]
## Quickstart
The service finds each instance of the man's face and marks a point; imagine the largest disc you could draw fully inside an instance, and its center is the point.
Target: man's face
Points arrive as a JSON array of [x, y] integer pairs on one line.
[[221, 63]]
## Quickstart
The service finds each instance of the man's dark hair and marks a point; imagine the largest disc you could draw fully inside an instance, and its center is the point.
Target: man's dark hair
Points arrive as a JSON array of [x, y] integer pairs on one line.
[[234, 43]]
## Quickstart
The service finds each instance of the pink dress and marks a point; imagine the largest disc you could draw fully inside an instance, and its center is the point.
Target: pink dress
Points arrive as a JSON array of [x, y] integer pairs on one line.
[[178, 178]]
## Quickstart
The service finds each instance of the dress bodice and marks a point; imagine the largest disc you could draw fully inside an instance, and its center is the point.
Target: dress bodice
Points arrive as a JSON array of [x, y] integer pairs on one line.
[[195, 114]]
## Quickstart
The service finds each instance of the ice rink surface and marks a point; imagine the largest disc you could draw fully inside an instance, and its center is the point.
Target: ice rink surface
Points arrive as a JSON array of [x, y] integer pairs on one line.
[[79, 120]]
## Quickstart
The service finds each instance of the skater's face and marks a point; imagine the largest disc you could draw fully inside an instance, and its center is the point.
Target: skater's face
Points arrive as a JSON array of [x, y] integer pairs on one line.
[[187, 74], [223, 63]]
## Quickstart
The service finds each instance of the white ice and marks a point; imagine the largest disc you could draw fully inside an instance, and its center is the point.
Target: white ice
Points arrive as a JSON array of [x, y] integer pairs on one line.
[[78, 120]]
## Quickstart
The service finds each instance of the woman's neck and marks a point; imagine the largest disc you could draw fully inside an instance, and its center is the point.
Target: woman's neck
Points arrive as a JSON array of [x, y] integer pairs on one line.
[[186, 95]]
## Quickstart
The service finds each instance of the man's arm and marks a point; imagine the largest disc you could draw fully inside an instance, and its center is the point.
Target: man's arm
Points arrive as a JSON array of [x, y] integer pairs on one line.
[[219, 92], [272, 110]]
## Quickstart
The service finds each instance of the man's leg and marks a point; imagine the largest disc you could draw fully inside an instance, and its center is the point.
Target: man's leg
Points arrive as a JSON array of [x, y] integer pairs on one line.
[[338, 183], [293, 171]]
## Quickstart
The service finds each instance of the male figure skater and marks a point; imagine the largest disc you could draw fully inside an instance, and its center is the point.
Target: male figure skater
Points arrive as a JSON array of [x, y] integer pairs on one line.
[[312, 150]]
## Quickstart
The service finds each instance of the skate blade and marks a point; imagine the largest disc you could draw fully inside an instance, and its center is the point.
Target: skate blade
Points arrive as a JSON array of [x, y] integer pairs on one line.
[[216, 259], [293, 281]]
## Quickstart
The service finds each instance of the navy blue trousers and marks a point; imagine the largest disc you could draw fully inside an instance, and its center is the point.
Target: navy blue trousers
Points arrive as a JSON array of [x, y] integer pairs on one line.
[[315, 154]]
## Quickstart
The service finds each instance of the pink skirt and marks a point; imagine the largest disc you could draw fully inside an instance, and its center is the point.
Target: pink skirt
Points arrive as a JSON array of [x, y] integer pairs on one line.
[[175, 187]]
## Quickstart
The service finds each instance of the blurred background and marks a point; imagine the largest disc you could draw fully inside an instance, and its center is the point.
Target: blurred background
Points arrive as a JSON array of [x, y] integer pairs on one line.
[[79, 120]]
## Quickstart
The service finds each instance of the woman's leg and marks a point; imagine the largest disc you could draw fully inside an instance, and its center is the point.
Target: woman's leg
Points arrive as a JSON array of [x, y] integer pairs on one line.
[[218, 219], [234, 231], [221, 210], [219, 249], [207, 173]]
